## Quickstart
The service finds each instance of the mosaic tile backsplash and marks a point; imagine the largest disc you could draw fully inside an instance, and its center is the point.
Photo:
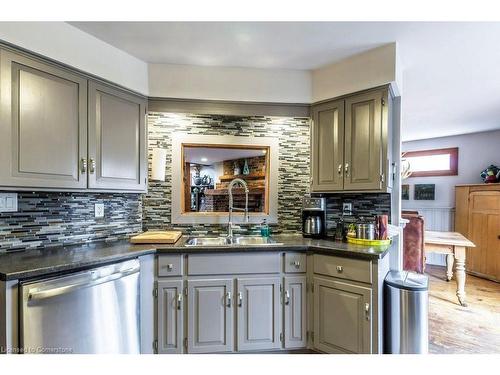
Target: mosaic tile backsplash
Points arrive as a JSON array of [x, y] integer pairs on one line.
[[363, 204], [47, 219], [293, 182]]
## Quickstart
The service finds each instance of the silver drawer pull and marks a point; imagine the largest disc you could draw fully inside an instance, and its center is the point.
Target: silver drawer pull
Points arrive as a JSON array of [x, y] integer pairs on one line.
[[228, 299], [340, 269], [179, 301], [296, 264], [240, 299], [340, 169], [169, 267], [367, 311], [287, 298]]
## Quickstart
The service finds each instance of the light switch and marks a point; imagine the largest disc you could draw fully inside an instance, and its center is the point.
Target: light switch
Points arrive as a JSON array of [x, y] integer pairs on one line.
[[8, 202]]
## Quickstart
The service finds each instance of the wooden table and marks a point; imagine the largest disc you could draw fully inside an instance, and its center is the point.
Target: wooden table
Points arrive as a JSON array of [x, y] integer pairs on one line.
[[453, 245]]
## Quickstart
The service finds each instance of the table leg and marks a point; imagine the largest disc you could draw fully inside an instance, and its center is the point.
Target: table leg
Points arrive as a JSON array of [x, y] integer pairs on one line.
[[460, 273], [450, 258]]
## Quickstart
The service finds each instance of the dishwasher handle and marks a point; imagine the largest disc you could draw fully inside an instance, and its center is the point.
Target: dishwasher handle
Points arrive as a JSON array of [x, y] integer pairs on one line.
[[49, 293]]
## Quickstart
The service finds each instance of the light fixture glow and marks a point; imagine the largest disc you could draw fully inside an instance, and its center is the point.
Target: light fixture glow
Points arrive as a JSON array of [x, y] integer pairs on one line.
[[204, 159]]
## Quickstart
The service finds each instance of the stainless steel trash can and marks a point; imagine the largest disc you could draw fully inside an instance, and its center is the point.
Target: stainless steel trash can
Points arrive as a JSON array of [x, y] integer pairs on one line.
[[406, 300]]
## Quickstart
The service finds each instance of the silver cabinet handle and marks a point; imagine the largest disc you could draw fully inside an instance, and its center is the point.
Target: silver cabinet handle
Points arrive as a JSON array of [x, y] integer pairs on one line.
[[340, 169], [228, 299], [287, 297], [179, 301], [367, 311], [169, 267], [296, 264], [340, 269], [92, 165], [347, 169], [83, 165], [240, 299]]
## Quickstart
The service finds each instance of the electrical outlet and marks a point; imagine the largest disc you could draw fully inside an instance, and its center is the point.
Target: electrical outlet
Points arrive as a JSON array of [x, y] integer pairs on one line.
[[99, 210], [8, 202], [347, 208]]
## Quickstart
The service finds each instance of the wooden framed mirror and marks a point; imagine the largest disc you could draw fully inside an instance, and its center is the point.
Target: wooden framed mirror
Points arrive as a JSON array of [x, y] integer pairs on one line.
[[203, 167]]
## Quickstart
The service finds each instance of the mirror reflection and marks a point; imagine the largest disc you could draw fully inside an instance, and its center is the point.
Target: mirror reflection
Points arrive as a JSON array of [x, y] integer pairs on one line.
[[208, 171]]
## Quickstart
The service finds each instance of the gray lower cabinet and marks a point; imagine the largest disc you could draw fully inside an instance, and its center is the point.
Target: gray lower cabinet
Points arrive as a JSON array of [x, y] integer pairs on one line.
[[258, 317], [170, 316], [294, 304], [210, 315], [117, 139], [43, 124], [342, 317]]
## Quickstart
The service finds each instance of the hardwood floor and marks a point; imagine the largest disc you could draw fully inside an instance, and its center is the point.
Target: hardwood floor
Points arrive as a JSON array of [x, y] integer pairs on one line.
[[456, 329]]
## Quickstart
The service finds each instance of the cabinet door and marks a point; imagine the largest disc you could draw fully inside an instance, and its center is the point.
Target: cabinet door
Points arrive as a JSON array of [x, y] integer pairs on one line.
[[484, 231], [342, 317], [295, 311], [258, 315], [327, 147], [363, 142], [43, 125], [170, 316], [210, 316], [117, 139]]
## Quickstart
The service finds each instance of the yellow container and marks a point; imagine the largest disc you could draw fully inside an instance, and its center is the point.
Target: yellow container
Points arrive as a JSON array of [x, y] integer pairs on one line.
[[359, 241]]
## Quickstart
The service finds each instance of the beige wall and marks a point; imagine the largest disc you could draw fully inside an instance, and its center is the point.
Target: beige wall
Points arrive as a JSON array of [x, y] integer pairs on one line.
[[223, 83], [69, 45], [368, 69]]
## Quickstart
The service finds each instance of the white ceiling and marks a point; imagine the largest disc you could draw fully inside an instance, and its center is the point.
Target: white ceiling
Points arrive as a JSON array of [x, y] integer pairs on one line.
[[451, 80]]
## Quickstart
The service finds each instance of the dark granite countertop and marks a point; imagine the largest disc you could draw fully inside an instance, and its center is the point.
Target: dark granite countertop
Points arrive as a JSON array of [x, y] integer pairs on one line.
[[39, 262], [286, 243]]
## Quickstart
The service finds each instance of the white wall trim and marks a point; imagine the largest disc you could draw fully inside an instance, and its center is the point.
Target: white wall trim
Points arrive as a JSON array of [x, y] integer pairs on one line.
[[211, 218]]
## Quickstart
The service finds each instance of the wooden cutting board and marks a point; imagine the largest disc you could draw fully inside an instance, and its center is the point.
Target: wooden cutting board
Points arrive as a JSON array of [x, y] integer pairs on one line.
[[164, 236]]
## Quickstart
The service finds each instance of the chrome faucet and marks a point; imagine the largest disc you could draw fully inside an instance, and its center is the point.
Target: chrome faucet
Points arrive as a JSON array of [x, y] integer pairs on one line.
[[231, 208]]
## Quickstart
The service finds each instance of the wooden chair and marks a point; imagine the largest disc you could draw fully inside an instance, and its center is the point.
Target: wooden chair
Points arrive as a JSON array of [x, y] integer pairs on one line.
[[413, 242]]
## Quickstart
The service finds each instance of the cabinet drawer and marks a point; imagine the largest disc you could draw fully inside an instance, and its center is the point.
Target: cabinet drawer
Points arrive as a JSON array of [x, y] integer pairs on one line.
[[238, 263], [343, 268], [295, 262], [170, 265]]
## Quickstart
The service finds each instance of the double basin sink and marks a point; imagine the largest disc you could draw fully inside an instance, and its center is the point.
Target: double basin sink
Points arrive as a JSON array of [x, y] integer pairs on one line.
[[234, 241]]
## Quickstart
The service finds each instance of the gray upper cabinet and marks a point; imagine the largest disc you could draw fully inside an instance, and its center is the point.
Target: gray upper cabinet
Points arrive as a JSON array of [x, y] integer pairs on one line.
[[58, 131], [117, 139], [170, 316], [210, 316], [258, 314], [294, 302], [327, 142], [43, 130], [349, 143], [363, 142], [342, 317]]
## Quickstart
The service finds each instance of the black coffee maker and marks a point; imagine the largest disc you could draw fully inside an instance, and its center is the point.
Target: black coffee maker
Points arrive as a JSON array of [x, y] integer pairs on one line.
[[314, 217]]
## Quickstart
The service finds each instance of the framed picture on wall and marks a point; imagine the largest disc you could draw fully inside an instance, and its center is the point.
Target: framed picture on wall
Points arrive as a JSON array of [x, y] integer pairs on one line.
[[424, 192], [405, 192]]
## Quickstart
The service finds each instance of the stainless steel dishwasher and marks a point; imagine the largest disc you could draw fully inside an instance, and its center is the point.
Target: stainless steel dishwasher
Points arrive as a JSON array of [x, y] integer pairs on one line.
[[92, 311]]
